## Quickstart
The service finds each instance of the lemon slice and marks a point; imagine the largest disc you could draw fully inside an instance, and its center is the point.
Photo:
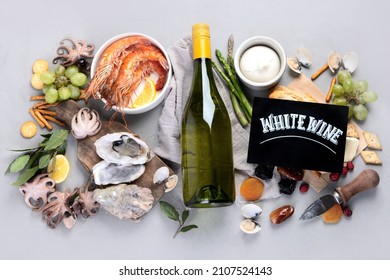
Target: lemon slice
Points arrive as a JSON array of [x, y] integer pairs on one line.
[[146, 95], [58, 168]]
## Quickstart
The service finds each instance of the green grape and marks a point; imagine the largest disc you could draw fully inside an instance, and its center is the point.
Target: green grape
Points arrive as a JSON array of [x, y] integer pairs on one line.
[[61, 81], [361, 85], [60, 70], [47, 77], [360, 112], [51, 96], [348, 86], [343, 75], [64, 93], [79, 79], [360, 100], [350, 111], [47, 87], [369, 96], [71, 70], [74, 92], [338, 90], [340, 101]]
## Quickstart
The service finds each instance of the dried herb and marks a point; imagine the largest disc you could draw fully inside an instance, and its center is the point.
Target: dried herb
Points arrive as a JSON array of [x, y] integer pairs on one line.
[[173, 214], [35, 160]]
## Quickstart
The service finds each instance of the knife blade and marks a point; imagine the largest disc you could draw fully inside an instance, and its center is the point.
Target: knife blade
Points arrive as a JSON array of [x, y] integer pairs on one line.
[[366, 180]]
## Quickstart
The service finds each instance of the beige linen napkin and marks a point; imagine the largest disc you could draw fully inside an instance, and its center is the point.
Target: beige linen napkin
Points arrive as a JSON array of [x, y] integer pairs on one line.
[[170, 121]]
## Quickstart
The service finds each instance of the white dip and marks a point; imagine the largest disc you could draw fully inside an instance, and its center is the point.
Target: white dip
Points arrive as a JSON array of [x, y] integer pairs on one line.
[[260, 64]]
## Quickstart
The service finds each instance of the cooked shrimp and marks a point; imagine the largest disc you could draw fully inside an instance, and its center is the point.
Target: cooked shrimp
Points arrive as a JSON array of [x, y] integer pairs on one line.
[[111, 60], [130, 73]]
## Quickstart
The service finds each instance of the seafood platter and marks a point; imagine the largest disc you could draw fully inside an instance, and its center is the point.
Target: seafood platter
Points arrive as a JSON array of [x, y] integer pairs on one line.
[[131, 74]]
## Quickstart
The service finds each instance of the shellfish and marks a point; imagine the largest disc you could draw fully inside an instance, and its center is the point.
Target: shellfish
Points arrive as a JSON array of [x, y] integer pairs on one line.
[[251, 211], [249, 226], [123, 148], [350, 61], [105, 173], [125, 201]]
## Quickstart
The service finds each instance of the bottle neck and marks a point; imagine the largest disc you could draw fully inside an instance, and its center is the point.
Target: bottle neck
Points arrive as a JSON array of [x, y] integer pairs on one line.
[[201, 47]]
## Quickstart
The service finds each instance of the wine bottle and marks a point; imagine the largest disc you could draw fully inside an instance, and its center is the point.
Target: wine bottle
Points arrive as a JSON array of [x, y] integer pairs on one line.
[[206, 135]]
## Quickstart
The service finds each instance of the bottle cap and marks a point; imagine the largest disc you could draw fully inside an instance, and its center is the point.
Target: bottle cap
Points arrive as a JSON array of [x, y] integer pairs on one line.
[[201, 40]]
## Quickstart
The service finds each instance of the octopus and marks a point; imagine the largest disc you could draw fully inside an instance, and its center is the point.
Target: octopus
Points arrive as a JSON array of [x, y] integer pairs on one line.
[[58, 209], [84, 204], [37, 190], [77, 53], [85, 123]]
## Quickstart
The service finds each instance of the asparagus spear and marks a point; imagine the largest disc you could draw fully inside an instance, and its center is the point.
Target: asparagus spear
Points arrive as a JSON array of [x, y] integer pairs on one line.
[[239, 93], [230, 59], [236, 106]]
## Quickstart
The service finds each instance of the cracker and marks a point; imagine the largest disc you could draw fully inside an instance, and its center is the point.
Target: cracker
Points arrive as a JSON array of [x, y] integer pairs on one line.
[[372, 140], [352, 131], [371, 157]]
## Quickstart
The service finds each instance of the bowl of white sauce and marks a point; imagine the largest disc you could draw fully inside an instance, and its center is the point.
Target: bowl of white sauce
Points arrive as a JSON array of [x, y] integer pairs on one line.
[[260, 62]]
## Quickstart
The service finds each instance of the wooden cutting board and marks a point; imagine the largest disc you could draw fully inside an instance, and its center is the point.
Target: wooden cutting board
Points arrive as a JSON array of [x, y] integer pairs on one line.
[[88, 157], [319, 180]]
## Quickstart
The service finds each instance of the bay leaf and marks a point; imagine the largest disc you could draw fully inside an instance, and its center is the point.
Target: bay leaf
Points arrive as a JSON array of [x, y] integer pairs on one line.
[[25, 176], [169, 211], [44, 161], [18, 164], [188, 228], [184, 216], [56, 139]]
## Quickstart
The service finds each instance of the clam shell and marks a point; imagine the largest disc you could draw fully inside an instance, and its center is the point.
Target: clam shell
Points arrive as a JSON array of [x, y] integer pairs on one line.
[[334, 61], [160, 175], [294, 65], [250, 211], [249, 226], [350, 61], [171, 182], [304, 57]]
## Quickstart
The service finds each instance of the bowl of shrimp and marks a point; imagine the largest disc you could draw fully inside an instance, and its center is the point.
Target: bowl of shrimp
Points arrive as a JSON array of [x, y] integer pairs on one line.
[[130, 73]]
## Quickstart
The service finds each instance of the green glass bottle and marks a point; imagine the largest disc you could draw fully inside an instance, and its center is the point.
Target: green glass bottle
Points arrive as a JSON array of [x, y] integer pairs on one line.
[[206, 139]]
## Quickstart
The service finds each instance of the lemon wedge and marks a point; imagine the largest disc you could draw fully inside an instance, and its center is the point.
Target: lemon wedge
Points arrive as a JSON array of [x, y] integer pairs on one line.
[[147, 94], [58, 168]]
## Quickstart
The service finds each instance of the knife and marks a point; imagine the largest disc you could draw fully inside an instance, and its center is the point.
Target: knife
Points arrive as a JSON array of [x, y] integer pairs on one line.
[[366, 180]]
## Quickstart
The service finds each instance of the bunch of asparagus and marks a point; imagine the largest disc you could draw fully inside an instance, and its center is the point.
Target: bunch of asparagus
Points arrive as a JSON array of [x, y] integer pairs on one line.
[[240, 103]]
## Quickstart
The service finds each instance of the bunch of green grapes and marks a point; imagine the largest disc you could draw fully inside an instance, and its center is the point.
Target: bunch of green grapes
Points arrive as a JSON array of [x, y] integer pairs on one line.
[[354, 94], [62, 84]]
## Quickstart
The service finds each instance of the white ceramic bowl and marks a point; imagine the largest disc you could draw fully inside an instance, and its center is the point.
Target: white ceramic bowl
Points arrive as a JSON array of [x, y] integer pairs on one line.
[[260, 41], [160, 95]]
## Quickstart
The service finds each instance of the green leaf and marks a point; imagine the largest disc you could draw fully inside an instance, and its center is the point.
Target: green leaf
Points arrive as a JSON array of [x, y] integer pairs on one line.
[[184, 216], [44, 161], [56, 139], [25, 150], [188, 228], [25, 176], [18, 164], [169, 211]]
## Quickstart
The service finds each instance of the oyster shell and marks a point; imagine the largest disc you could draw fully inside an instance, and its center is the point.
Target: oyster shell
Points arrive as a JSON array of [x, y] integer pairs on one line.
[[350, 61], [249, 226], [123, 148], [125, 201], [304, 57], [105, 173]]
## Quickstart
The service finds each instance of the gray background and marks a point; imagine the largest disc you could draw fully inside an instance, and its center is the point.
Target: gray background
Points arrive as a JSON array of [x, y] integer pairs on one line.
[[33, 29]]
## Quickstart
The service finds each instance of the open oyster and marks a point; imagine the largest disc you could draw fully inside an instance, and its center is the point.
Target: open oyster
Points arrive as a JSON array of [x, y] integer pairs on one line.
[[105, 173], [123, 148]]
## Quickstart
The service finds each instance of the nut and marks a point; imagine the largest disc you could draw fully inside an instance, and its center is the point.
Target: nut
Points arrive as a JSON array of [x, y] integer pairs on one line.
[[281, 214]]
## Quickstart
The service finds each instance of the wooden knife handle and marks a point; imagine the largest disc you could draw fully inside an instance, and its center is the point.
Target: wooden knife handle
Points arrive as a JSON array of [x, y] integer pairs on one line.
[[366, 180]]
